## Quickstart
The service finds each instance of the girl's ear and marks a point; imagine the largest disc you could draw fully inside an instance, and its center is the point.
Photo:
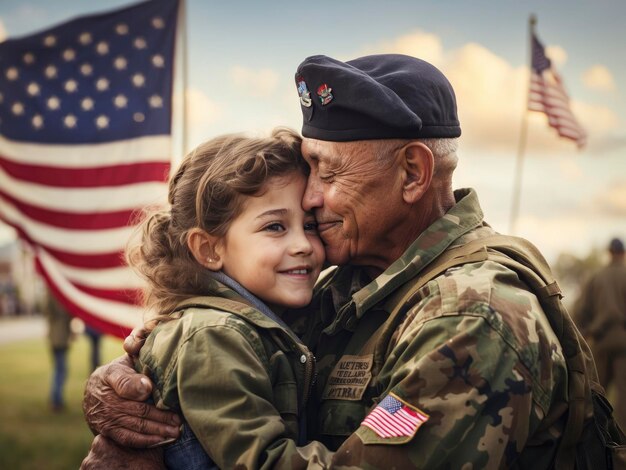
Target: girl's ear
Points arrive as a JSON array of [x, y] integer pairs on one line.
[[202, 247]]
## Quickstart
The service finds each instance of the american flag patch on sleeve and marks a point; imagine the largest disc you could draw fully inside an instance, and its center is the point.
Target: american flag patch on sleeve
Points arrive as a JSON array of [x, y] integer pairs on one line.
[[394, 418]]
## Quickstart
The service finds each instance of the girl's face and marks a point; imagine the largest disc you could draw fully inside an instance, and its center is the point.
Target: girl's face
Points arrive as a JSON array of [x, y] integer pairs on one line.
[[272, 248]]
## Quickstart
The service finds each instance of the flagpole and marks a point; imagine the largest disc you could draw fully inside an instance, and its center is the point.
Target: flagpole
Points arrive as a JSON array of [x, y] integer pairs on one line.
[[521, 149], [183, 46]]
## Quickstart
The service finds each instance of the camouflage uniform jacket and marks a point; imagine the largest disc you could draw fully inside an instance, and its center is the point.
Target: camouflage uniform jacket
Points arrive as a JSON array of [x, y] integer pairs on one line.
[[474, 356], [239, 378], [600, 312]]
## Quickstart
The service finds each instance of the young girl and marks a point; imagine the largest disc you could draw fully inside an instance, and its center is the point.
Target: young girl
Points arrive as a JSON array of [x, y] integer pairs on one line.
[[234, 249]]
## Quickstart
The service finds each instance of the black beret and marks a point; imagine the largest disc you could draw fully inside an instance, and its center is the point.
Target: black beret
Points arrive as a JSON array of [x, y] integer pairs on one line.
[[387, 96]]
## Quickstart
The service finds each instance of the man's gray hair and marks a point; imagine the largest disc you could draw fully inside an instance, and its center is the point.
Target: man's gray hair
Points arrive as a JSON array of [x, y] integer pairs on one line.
[[444, 151], [441, 147]]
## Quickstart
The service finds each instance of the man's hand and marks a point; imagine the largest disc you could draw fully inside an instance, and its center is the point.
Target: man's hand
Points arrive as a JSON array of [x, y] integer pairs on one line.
[[114, 407], [104, 453]]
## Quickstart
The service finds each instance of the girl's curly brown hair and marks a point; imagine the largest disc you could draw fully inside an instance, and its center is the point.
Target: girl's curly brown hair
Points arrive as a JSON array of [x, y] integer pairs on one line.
[[206, 192]]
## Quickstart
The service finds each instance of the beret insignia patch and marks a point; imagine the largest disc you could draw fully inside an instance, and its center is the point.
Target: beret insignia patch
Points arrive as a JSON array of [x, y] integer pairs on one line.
[[303, 92], [324, 93]]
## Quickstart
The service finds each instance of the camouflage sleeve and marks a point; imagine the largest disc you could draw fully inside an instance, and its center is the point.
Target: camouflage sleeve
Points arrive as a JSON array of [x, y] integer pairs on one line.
[[227, 398], [467, 401]]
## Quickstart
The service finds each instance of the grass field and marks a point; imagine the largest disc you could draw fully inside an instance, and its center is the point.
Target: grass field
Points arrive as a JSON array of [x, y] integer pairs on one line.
[[31, 435]]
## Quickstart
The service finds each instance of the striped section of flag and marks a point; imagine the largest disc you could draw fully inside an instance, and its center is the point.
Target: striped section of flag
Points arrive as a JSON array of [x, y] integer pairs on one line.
[[85, 143], [394, 418], [548, 95]]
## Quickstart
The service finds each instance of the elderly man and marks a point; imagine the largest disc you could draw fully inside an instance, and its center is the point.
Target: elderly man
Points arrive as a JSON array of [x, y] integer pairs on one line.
[[462, 372]]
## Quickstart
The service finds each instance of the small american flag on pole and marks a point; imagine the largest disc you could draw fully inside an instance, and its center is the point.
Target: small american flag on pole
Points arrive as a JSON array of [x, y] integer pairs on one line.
[[85, 141], [548, 95], [394, 418]]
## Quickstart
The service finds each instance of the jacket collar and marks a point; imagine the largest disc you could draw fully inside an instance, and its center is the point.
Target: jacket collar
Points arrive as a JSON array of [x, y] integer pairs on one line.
[[464, 216]]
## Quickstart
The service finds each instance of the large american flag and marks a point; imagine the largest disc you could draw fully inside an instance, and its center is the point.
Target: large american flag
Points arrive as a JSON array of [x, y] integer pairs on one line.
[[394, 418], [548, 95], [85, 142]]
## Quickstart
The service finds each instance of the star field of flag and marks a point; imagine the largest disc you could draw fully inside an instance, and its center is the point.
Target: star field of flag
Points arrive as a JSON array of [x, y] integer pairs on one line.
[[93, 79], [539, 60]]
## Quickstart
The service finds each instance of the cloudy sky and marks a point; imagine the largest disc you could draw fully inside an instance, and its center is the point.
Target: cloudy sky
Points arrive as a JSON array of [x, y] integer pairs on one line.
[[242, 56]]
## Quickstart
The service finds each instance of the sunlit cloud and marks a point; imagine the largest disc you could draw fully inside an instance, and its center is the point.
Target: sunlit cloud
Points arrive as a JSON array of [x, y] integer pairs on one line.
[[255, 82], [202, 110], [599, 78], [596, 119], [483, 82], [557, 55]]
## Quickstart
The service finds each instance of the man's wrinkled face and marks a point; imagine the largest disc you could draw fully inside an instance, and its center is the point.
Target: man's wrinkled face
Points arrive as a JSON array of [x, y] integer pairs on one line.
[[356, 199]]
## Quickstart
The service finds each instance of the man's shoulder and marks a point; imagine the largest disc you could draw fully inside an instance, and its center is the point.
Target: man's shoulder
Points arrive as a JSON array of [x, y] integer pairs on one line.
[[492, 291], [484, 286], [510, 312]]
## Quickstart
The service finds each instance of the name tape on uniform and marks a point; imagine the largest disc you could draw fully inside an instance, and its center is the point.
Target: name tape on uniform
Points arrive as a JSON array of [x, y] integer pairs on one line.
[[350, 378]]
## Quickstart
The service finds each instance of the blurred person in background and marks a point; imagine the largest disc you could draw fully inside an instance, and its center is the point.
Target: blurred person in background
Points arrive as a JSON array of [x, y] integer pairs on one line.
[[94, 336], [600, 313], [59, 336]]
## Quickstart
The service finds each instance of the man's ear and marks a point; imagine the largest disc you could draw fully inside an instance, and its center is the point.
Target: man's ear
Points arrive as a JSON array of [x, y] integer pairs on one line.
[[202, 247], [418, 164]]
